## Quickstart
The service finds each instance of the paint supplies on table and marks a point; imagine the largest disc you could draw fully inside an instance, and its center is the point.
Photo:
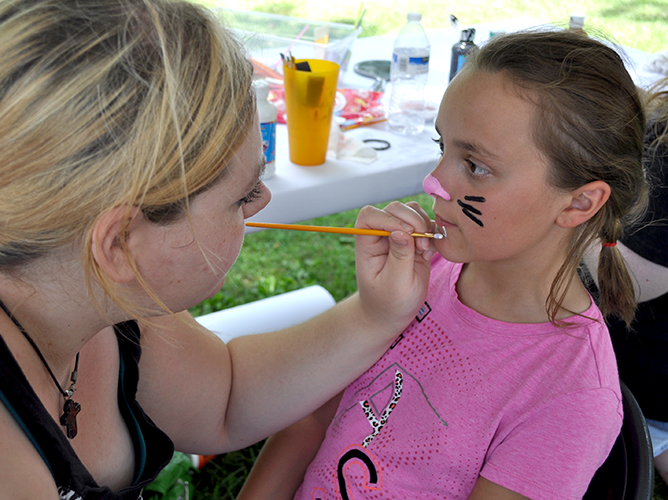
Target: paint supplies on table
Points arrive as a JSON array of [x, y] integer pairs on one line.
[[357, 107]]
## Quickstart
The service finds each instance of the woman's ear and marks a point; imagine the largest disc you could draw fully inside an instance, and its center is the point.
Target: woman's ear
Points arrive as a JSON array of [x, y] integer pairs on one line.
[[585, 202], [110, 234]]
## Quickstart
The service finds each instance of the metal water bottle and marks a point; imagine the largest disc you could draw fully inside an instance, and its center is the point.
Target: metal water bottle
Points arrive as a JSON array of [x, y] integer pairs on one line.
[[461, 50]]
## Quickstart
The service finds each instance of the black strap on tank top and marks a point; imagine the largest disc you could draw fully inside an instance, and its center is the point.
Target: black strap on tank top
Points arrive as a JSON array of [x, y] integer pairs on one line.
[[153, 449]]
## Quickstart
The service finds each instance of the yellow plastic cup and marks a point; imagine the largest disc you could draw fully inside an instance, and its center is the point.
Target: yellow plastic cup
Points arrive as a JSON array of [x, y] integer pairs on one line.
[[309, 102]]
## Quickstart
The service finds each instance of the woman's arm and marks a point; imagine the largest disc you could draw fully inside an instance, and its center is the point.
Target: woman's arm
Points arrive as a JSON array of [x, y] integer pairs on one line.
[[487, 490], [210, 397], [282, 463]]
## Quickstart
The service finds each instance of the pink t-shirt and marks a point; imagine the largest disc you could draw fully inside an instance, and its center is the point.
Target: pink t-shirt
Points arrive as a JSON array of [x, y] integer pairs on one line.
[[531, 407]]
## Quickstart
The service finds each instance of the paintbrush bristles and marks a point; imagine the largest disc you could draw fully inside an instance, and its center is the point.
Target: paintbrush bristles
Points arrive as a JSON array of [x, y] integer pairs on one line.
[[337, 230]]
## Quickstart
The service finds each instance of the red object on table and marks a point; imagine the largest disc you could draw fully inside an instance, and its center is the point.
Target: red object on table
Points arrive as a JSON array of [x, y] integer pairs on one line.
[[357, 107]]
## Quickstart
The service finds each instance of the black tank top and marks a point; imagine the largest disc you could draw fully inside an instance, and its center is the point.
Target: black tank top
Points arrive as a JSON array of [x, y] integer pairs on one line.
[[153, 448]]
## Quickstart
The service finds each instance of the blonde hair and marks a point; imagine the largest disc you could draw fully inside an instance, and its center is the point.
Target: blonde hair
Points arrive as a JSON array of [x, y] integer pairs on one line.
[[107, 103], [589, 124]]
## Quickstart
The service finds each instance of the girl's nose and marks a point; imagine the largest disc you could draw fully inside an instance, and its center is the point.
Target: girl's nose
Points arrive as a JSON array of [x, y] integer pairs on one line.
[[433, 188]]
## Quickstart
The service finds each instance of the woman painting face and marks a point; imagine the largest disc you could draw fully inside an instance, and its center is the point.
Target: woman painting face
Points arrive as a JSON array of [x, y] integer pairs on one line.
[[500, 204]]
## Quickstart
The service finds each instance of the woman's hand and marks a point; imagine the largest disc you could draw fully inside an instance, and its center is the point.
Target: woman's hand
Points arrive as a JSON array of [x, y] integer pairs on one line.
[[393, 271]]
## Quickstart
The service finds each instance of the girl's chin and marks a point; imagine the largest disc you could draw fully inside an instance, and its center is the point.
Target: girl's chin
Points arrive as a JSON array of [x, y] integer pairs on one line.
[[446, 250]]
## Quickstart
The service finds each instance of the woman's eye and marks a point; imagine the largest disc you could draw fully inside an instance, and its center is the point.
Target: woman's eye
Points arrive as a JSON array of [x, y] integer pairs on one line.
[[475, 169], [253, 195]]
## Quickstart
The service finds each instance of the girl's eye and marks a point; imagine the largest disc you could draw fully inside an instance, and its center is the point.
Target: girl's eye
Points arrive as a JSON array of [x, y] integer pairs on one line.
[[440, 145], [475, 169], [253, 195]]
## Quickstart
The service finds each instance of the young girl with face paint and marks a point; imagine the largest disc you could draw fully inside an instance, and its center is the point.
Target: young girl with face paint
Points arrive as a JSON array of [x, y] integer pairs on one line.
[[505, 385]]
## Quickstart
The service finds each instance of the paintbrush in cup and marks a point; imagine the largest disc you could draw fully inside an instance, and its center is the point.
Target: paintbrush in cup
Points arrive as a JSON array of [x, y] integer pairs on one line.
[[337, 230]]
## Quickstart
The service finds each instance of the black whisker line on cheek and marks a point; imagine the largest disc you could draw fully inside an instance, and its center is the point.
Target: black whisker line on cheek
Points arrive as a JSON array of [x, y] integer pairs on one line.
[[479, 199], [468, 207], [472, 217], [469, 210]]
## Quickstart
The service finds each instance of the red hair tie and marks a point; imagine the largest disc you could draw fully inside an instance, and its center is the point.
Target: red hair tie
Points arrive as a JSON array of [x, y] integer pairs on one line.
[[609, 245]]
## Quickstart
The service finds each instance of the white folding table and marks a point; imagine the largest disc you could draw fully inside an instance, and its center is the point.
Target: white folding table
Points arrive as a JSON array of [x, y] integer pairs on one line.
[[300, 193]]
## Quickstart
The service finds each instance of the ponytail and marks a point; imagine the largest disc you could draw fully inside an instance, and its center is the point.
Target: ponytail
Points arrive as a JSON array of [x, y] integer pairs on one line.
[[617, 296], [616, 292]]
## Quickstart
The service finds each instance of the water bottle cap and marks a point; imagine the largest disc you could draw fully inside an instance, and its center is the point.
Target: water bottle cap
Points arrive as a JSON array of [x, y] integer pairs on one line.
[[467, 35], [577, 21], [414, 16], [261, 89]]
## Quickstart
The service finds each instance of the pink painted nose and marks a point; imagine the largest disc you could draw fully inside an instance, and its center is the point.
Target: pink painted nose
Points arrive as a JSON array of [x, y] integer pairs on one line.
[[433, 188]]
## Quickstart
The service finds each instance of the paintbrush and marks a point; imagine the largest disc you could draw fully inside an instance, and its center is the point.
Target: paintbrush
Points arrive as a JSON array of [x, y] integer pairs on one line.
[[338, 230]]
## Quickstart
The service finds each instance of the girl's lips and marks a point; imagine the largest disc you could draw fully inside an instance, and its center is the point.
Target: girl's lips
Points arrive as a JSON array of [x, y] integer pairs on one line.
[[442, 222]]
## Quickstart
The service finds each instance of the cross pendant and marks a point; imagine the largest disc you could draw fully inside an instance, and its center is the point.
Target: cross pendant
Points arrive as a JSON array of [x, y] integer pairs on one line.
[[69, 417]]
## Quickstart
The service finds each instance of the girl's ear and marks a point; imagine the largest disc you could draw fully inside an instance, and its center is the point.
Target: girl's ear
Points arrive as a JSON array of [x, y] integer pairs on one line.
[[110, 234], [585, 202]]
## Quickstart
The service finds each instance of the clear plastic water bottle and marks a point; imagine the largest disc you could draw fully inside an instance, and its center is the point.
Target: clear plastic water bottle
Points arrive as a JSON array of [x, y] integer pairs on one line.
[[408, 77], [268, 115]]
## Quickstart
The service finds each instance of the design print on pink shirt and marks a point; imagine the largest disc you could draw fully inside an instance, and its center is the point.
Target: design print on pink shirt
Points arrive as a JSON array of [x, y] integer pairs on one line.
[[354, 457], [378, 423], [357, 465]]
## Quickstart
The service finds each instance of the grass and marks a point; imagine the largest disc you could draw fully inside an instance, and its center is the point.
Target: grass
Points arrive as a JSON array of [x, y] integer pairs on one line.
[[639, 24], [274, 262]]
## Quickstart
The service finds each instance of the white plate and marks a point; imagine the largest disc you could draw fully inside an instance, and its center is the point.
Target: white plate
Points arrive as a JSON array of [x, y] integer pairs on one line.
[[339, 102]]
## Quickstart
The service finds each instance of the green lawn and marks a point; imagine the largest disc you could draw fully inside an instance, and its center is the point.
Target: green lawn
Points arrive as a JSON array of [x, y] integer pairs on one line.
[[273, 262], [642, 24]]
